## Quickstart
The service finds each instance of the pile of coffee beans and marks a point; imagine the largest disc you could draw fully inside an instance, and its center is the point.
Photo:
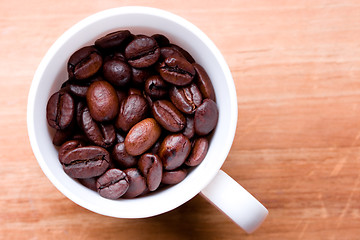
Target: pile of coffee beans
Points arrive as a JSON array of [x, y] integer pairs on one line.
[[134, 115]]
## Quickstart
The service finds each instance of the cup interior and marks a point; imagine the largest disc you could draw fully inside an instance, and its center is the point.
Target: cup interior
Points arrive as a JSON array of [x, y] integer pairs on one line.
[[51, 73]]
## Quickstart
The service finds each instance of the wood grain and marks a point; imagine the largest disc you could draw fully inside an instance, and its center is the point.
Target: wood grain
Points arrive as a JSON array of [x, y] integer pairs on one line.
[[296, 67]]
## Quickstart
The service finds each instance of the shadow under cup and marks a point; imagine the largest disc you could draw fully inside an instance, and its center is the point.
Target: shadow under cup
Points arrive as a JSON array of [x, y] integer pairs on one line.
[[51, 73]]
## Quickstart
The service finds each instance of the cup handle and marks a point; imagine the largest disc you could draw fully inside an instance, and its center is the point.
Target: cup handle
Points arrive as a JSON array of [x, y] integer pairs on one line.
[[237, 203]]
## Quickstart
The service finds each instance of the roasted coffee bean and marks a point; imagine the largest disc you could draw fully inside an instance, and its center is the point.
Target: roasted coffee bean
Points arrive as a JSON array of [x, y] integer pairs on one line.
[[100, 134], [119, 137], [142, 52], [139, 75], [112, 184], [150, 166], [69, 145], [115, 55], [189, 130], [186, 98], [122, 158], [167, 52], [115, 40], [185, 53], [79, 110], [156, 87], [137, 183], [202, 80], [198, 152], [89, 183], [142, 136], [102, 101], [117, 72], [60, 110], [168, 116], [173, 177], [132, 110], [155, 148], [206, 117], [161, 40], [84, 63], [79, 88], [177, 70], [174, 150], [135, 91], [62, 136], [85, 162]]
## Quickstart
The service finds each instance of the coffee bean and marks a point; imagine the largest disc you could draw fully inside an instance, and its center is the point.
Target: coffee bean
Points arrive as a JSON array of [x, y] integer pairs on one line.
[[142, 52], [203, 82], [114, 40], [89, 183], [137, 183], [189, 130], [115, 55], [167, 52], [185, 53], [69, 145], [102, 101], [156, 87], [84, 63], [177, 70], [122, 158], [132, 110], [174, 150], [134, 91], [198, 152], [100, 134], [85, 162], [142, 136], [62, 136], [168, 116], [150, 166], [119, 137], [161, 40], [117, 72], [173, 177], [186, 98], [121, 96], [112, 184], [206, 117], [139, 75], [60, 110]]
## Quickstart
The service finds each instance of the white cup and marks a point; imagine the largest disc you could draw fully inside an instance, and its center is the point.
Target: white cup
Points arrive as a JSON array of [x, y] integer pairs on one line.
[[207, 178]]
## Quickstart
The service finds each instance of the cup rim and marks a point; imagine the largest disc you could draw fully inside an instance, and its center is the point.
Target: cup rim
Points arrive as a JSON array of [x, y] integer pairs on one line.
[[185, 196]]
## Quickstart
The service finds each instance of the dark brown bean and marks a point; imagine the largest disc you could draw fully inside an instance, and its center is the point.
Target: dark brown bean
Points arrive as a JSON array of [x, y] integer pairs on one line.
[[150, 166], [185, 53], [117, 72], [62, 136], [69, 145], [112, 184], [102, 101], [156, 87], [168, 116], [114, 40], [167, 52], [86, 162], [134, 91], [161, 40], [100, 134], [121, 96], [202, 80], [115, 55], [84, 63], [60, 110], [142, 52], [189, 130], [139, 75], [174, 150], [177, 70], [198, 152], [132, 110], [186, 98], [137, 183], [122, 158], [173, 177], [89, 183], [206, 117], [142, 136]]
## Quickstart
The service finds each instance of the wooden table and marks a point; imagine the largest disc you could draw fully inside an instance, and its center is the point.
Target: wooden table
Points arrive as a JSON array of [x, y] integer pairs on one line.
[[296, 67]]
